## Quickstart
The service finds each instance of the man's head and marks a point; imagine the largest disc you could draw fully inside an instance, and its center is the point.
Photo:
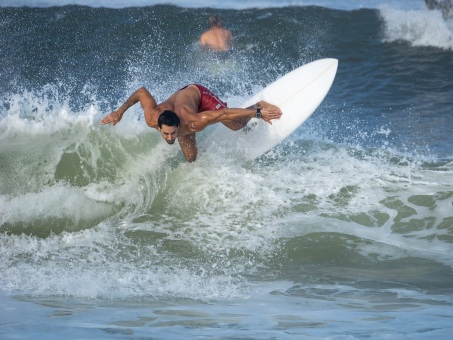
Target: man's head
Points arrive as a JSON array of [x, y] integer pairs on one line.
[[214, 20], [168, 123]]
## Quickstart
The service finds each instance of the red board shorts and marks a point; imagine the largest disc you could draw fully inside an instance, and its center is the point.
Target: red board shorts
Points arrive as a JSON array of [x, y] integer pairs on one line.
[[209, 101]]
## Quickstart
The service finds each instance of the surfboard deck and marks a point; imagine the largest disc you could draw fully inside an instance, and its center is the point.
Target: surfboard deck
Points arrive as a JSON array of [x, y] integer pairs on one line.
[[298, 94]]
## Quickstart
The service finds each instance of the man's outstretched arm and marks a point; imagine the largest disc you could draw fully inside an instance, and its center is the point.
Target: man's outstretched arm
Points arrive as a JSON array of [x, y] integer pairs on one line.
[[141, 95], [202, 120]]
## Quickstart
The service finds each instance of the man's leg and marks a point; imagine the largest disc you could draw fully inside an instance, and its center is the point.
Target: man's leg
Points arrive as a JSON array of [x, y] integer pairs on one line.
[[209, 101]]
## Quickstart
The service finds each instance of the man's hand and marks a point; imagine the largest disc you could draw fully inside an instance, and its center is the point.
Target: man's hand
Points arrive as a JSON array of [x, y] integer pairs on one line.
[[113, 118], [269, 111]]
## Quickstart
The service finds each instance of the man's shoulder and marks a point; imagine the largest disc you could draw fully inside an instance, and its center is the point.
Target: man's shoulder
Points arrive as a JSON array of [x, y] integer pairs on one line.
[[205, 36]]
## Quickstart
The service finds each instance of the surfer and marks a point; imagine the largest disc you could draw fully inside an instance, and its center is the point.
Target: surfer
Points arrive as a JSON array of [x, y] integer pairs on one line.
[[217, 38], [190, 110]]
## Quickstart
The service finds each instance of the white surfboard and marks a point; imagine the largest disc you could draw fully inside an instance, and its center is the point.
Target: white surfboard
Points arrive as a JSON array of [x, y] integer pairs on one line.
[[298, 94]]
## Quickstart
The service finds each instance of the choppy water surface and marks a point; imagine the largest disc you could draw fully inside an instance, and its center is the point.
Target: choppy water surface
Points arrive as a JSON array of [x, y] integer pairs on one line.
[[345, 229]]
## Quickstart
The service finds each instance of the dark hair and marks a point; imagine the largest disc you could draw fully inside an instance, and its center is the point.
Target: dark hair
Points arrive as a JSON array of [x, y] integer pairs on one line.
[[213, 20], [168, 118]]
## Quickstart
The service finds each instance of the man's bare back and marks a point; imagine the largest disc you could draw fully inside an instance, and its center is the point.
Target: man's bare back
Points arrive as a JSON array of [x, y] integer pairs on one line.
[[216, 38]]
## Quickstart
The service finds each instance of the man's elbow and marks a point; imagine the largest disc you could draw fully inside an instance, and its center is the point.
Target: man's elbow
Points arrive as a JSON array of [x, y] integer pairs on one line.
[[142, 90], [197, 125], [191, 158]]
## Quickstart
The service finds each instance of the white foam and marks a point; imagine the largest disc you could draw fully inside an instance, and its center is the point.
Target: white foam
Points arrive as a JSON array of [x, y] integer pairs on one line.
[[418, 27], [346, 187], [59, 201], [217, 205], [89, 261], [225, 207]]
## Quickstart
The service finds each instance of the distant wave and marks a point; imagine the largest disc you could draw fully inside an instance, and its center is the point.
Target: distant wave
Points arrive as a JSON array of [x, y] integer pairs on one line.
[[228, 4], [418, 27]]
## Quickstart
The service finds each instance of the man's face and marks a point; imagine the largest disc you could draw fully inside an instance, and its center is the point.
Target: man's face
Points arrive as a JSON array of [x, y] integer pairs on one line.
[[169, 133]]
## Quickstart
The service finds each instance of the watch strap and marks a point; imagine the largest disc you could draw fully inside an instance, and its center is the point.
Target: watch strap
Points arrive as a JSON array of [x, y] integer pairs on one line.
[[258, 113]]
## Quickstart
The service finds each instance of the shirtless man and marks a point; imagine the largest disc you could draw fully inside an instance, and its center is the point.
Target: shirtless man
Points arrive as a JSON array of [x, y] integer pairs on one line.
[[216, 38], [190, 110]]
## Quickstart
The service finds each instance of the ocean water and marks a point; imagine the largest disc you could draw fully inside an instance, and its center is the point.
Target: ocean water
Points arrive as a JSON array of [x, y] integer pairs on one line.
[[344, 231]]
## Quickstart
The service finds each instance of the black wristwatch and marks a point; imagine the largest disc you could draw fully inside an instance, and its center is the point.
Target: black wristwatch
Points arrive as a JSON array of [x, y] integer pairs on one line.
[[258, 113]]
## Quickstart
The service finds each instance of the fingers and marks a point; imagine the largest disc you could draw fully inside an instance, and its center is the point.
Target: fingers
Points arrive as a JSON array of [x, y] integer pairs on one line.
[[270, 113], [273, 113], [106, 120], [111, 118]]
